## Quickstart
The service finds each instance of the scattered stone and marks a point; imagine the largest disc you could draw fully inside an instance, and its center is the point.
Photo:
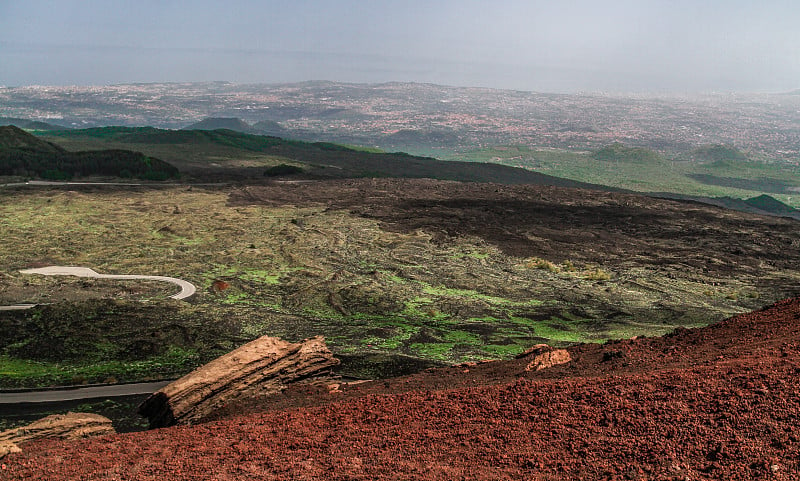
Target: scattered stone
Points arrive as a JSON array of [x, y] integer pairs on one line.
[[255, 370], [219, 286], [68, 426]]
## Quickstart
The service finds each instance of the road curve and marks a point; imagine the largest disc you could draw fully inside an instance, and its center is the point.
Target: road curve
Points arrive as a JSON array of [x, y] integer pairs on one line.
[[73, 393], [187, 288], [17, 307]]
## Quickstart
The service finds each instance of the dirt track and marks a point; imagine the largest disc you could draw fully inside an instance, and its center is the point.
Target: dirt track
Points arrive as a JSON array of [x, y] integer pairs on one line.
[[715, 403]]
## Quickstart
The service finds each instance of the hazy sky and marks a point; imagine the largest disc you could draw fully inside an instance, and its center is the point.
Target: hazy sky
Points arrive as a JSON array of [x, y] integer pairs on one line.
[[558, 46]]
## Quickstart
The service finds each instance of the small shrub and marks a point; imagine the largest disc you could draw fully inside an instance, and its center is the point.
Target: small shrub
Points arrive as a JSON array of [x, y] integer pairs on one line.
[[537, 263], [598, 275], [568, 266], [282, 169]]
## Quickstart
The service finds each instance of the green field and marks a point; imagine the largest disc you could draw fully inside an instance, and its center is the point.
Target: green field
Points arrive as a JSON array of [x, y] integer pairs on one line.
[[731, 174]]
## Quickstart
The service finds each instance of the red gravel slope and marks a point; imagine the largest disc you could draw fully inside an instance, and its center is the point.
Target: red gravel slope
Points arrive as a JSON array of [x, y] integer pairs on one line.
[[716, 403]]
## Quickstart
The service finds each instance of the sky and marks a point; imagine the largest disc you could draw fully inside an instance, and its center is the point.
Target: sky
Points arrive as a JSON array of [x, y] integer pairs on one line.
[[681, 46]]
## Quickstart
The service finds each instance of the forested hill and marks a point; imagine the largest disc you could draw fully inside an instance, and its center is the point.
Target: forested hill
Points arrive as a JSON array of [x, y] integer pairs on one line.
[[217, 156], [24, 155]]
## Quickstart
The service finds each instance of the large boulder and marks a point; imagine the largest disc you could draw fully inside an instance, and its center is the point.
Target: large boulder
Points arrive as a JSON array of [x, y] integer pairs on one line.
[[257, 369], [61, 426], [543, 356]]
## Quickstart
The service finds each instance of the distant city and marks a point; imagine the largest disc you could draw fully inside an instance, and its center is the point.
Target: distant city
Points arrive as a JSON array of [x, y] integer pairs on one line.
[[426, 118]]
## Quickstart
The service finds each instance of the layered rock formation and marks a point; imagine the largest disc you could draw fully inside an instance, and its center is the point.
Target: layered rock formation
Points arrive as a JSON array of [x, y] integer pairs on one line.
[[257, 369], [543, 356], [60, 426]]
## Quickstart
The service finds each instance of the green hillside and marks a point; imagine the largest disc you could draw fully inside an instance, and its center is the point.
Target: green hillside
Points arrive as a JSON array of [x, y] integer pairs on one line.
[[618, 152], [24, 155], [715, 171], [769, 204], [214, 123], [12, 137], [30, 124], [719, 154], [219, 155]]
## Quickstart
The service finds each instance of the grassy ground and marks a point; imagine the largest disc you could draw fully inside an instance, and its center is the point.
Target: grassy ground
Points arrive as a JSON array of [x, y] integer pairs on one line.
[[297, 272], [657, 175]]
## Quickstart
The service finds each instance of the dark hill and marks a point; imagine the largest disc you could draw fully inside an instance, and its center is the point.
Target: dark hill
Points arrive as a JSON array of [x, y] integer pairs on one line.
[[762, 205], [12, 137], [22, 154], [770, 204], [268, 127], [322, 160], [30, 124], [719, 155], [229, 123]]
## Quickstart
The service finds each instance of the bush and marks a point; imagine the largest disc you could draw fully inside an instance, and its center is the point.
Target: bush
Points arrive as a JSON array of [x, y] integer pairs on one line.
[[537, 263], [282, 169], [598, 275]]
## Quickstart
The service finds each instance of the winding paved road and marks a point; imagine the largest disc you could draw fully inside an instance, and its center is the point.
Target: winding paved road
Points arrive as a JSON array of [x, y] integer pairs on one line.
[[73, 393], [114, 390], [187, 288]]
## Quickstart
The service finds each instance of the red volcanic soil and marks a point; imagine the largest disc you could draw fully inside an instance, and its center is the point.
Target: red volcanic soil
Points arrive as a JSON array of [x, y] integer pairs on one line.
[[721, 402]]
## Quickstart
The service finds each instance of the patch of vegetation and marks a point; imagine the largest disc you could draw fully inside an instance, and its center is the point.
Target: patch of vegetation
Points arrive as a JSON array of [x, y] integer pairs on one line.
[[24, 373], [503, 351], [22, 154], [721, 155], [597, 274], [216, 156], [91, 341], [465, 293], [537, 263], [283, 169], [618, 152], [731, 174], [439, 351], [770, 204]]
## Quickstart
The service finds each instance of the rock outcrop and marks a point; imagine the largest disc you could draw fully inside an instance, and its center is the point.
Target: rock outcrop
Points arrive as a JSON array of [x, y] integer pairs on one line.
[[61, 426], [543, 356], [257, 369]]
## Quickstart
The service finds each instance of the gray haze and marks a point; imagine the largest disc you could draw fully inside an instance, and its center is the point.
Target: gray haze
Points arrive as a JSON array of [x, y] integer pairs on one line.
[[566, 46]]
